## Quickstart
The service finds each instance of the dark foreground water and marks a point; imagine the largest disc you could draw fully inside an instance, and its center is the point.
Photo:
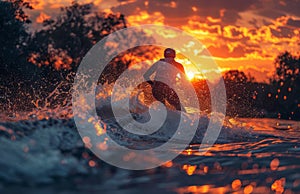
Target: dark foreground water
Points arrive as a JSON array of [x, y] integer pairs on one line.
[[251, 156]]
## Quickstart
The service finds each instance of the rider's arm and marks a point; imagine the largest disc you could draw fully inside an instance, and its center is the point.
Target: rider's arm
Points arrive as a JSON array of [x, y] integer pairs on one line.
[[182, 71], [149, 72]]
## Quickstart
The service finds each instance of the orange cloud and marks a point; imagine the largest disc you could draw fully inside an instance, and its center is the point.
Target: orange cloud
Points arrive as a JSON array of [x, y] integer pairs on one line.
[[145, 18], [37, 5], [173, 4], [267, 40], [42, 17], [246, 48], [261, 68], [213, 20]]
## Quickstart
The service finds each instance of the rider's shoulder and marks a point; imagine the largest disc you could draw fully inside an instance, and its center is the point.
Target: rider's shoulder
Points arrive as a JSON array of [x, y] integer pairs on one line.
[[177, 63]]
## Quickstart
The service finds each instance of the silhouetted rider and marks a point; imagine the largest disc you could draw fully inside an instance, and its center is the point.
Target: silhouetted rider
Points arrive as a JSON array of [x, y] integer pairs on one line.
[[161, 91]]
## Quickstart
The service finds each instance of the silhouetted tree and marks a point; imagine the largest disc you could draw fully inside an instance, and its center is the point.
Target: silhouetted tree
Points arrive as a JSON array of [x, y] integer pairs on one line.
[[15, 71], [238, 94], [280, 98], [286, 86], [235, 76], [14, 39], [287, 68], [62, 43]]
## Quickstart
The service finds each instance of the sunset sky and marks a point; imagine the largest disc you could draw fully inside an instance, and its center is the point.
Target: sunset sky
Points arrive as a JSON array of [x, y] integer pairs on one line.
[[245, 35]]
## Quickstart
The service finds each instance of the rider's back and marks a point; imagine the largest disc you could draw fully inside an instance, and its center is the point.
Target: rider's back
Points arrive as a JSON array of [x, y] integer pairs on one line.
[[167, 73]]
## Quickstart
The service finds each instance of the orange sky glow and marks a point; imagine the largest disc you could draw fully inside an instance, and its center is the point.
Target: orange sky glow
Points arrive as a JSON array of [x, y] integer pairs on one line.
[[243, 35]]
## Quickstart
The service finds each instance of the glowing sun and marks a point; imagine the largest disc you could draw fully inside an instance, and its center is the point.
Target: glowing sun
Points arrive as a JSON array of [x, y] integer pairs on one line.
[[190, 75]]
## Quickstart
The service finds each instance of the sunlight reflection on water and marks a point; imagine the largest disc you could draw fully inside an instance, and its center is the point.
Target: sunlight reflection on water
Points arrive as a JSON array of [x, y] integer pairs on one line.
[[268, 165]]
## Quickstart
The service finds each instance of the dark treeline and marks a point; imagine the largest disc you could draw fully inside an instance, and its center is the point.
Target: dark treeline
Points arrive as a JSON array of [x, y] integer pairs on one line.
[[37, 68], [280, 98]]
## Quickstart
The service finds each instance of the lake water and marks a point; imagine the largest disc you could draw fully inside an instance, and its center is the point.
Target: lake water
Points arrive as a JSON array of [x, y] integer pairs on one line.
[[251, 156]]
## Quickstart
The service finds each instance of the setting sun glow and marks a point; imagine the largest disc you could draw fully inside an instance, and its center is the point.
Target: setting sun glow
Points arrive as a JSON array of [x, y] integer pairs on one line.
[[190, 75]]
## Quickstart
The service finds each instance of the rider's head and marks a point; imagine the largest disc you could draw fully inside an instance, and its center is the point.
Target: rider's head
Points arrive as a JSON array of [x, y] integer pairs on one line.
[[169, 53]]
